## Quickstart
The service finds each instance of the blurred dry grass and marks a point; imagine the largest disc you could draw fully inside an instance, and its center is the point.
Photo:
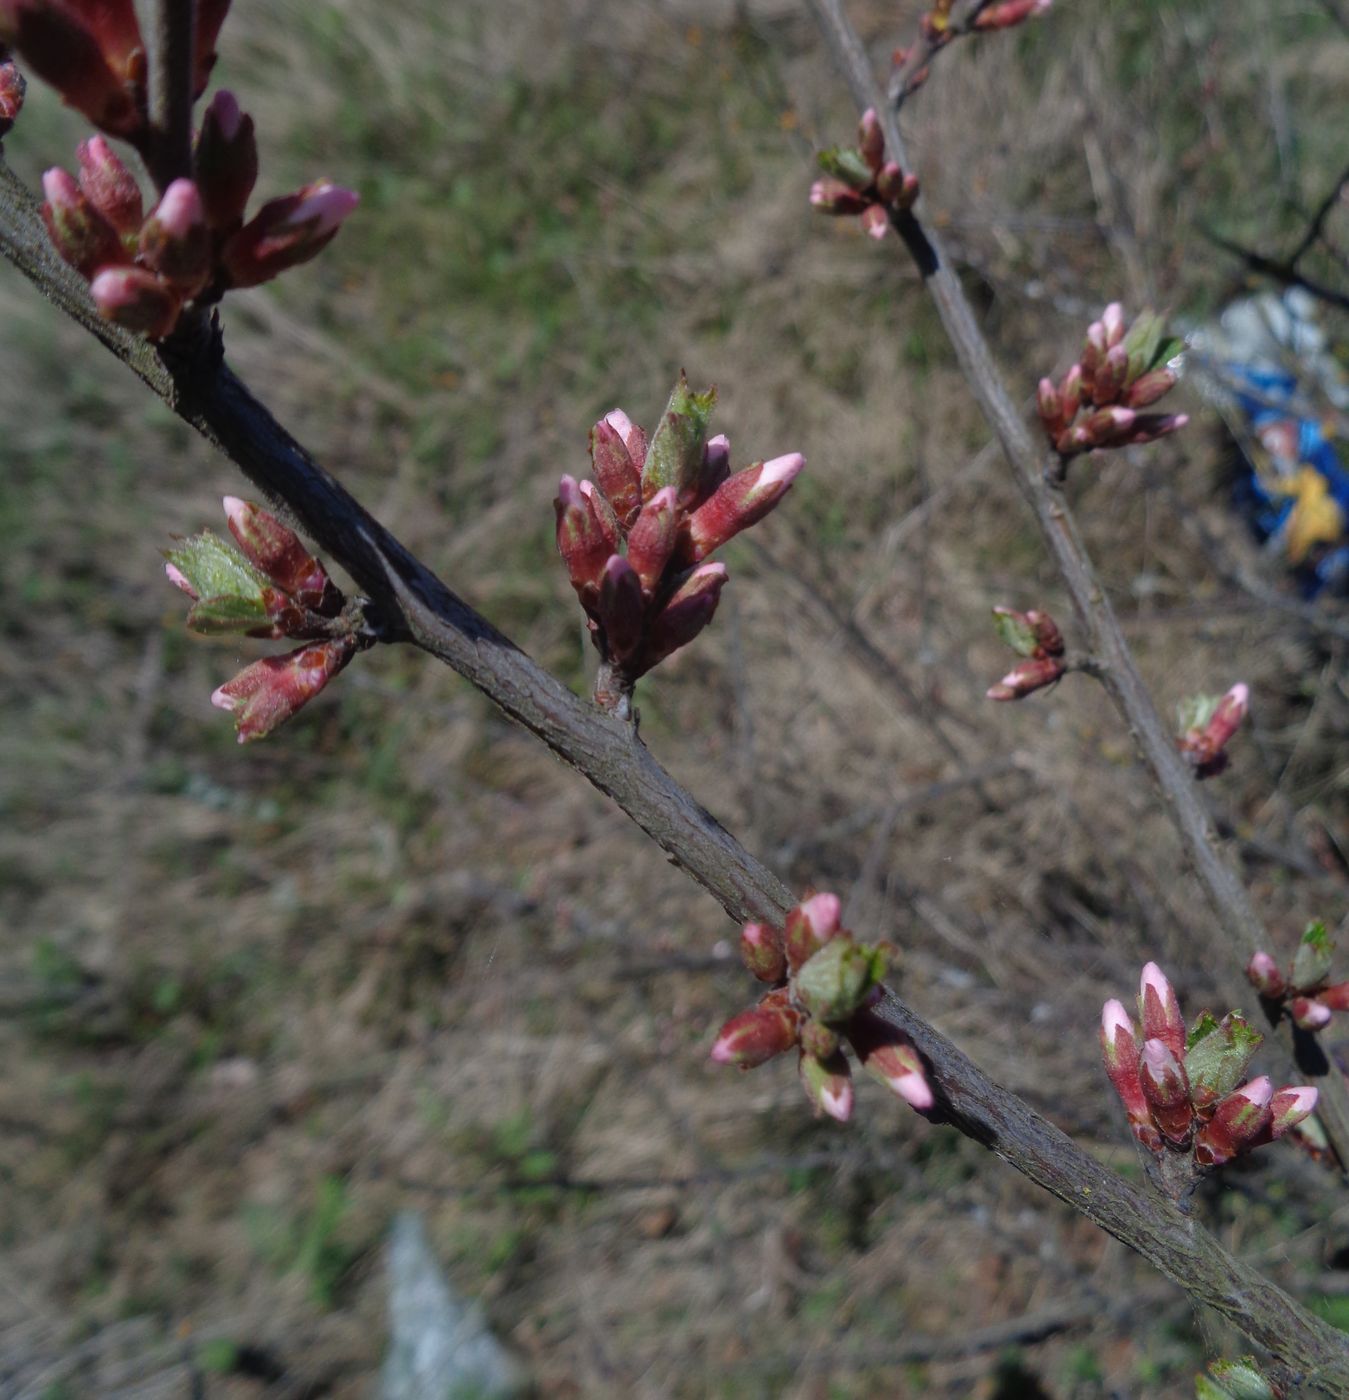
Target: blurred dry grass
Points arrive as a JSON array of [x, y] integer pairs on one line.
[[256, 1000]]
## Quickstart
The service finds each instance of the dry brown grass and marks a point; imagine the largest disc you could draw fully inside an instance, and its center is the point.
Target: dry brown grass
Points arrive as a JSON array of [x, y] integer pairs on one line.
[[398, 947]]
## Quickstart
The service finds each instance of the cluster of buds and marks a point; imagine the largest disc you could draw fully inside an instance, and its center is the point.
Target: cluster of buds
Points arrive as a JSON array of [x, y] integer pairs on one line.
[[271, 586], [12, 89], [194, 246], [635, 540], [938, 26], [1307, 991], [1236, 1380], [1183, 1092], [1035, 636], [863, 182], [92, 53], [1121, 371], [823, 983], [1207, 723]]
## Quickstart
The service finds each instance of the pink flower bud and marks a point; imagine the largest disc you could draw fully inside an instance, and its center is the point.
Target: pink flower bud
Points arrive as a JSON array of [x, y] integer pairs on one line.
[[1049, 404], [1263, 974], [1109, 427], [279, 553], [1009, 13], [620, 608], [1204, 748], [1120, 1050], [83, 237], [90, 53], [1112, 322], [1159, 1010], [828, 1085], [1149, 387], [810, 925], [178, 580], [651, 540], [686, 614], [1289, 1107], [870, 139], [1070, 391], [762, 953], [716, 469], [756, 1036], [1238, 1124], [580, 540], [619, 476], [1151, 426], [1110, 375], [738, 503], [137, 300], [285, 232], [1336, 997], [875, 221], [1166, 1090], [634, 438], [1026, 678], [110, 187], [175, 241], [225, 162], [267, 693], [604, 513], [1309, 1013], [832, 196], [12, 89]]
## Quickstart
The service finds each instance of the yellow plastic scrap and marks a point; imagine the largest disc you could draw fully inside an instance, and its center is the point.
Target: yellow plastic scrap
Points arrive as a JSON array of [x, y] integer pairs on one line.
[[1316, 517]]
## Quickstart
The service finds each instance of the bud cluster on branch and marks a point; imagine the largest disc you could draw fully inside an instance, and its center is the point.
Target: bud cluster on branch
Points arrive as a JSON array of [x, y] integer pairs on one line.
[[862, 181], [823, 983], [1306, 993], [1183, 1092], [635, 540], [194, 245], [1121, 371], [271, 586], [1036, 636], [1207, 724]]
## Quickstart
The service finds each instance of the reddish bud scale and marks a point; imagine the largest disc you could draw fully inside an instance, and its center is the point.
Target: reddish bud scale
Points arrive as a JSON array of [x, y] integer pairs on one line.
[[1238, 1124], [267, 693], [1263, 974], [819, 1040], [12, 89], [1009, 13], [690, 610], [1290, 1107], [1026, 678], [651, 540], [580, 540], [618, 475], [828, 1084], [175, 241], [761, 950], [279, 552], [110, 187], [1336, 997], [1309, 1013], [1159, 1010], [620, 608], [604, 514], [870, 139], [1049, 404], [137, 300], [1166, 1090], [810, 926], [1120, 1051], [225, 162], [286, 232], [831, 196], [756, 1036], [738, 503], [1149, 387], [83, 237]]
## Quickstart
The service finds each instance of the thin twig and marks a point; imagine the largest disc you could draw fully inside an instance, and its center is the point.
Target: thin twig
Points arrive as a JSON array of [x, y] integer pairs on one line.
[[172, 62], [1235, 921], [1280, 270], [910, 74], [412, 605]]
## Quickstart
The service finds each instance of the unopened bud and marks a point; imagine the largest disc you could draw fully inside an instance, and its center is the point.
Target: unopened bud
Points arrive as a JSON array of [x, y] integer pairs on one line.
[[267, 693], [716, 469], [285, 232], [1151, 426], [875, 221], [1166, 1090], [1109, 427], [1315, 954], [175, 241], [690, 610], [137, 300], [828, 1084], [1009, 13], [1120, 1051], [738, 503], [279, 552], [1290, 1107], [1309, 1014], [1026, 678], [619, 477], [1238, 1123], [835, 981], [1217, 1057], [870, 139], [12, 89], [1263, 974], [225, 162], [832, 196], [810, 925], [1159, 1010], [674, 456], [620, 608], [1049, 404], [761, 950], [111, 188], [1336, 997], [651, 539], [1149, 387], [83, 237], [886, 1053], [756, 1036], [580, 540], [1112, 322]]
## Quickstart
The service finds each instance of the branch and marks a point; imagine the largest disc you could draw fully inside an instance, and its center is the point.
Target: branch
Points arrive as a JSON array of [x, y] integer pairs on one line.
[[172, 58], [1281, 270], [1235, 920], [411, 604]]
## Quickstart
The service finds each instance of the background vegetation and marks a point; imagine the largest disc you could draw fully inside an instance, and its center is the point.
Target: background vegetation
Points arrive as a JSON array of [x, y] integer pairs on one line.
[[254, 1001]]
